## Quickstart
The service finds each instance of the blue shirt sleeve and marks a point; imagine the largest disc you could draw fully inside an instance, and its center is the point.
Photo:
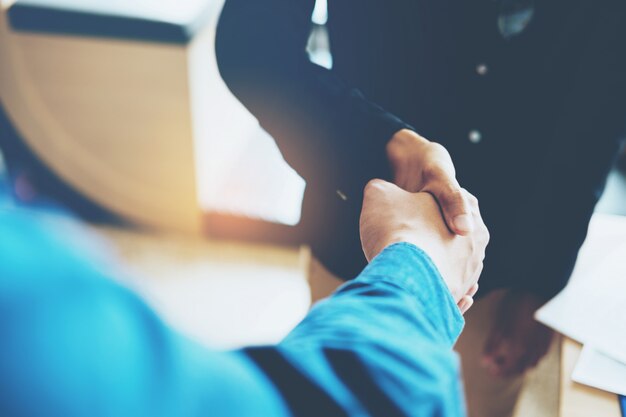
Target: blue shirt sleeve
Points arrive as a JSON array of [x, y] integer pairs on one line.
[[75, 343], [380, 346]]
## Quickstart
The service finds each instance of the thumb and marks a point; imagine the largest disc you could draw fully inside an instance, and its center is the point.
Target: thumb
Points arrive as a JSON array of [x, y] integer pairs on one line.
[[455, 205]]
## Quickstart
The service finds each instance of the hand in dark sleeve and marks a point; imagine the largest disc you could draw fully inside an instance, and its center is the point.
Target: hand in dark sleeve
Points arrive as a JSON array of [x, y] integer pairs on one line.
[[326, 129]]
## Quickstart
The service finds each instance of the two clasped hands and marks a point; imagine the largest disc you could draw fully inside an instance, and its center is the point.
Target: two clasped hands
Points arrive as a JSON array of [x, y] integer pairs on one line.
[[424, 167], [428, 208]]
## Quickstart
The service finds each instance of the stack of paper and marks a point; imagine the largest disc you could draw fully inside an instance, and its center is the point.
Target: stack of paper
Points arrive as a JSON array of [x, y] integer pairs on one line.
[[600, 371], [592, 308]]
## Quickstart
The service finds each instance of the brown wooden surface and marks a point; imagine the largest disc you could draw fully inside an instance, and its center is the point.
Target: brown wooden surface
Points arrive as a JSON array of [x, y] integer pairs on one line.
[[223, 294], [577, 400]]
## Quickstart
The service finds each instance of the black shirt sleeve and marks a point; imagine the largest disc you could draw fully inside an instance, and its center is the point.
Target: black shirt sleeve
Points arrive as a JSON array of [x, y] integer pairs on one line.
[[314, 116]]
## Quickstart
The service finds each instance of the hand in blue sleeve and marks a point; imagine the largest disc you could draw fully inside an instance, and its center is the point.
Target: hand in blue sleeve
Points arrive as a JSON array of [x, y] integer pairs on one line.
[[380, 346], [75, 343]]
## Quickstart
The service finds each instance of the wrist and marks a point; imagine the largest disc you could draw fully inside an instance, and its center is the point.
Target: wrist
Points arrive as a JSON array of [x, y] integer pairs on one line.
[[410, 239], [411, 268]]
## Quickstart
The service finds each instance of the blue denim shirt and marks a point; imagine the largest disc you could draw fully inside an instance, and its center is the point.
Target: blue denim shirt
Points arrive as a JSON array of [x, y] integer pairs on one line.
[[76, 343]]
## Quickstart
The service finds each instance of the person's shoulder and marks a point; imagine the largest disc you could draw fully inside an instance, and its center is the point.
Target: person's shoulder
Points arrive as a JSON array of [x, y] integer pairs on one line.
[[34, 257], [20, 234]]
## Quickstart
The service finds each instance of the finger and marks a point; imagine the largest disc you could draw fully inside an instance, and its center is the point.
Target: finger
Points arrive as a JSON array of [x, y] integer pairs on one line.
[[481, 232], [471, 286], [478, 272], [455, 205], [414, 181], [473, 290], [400, 176], [472, 201], [466, 303], [462, 305]]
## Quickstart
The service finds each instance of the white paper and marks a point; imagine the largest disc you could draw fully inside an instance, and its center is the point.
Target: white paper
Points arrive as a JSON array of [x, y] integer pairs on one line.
[[592, 308], [600, 371]]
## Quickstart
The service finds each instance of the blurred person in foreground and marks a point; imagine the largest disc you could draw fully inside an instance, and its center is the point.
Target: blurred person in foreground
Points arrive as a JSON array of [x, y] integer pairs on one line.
[[528, 98], [76, 343]]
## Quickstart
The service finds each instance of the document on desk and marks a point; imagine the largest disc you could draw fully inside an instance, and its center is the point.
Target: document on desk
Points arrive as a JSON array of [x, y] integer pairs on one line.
[[592, 308], [600, 371]]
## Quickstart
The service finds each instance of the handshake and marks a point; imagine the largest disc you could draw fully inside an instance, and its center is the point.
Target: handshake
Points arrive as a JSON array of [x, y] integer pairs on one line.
[[391, 215]]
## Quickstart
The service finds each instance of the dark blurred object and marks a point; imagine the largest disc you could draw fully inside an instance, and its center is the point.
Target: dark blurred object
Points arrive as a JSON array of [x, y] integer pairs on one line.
[[32, 183]]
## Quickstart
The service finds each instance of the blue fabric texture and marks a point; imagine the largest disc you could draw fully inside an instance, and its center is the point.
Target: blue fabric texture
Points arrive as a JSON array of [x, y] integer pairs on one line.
[[76, 343]]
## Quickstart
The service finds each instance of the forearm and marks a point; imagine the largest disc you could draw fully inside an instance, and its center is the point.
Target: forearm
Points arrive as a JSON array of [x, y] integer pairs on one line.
[[404, 286], [381, 345]]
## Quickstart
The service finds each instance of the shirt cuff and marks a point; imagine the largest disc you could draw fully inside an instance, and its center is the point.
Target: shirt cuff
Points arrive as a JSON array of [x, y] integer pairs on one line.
[[410, 268]]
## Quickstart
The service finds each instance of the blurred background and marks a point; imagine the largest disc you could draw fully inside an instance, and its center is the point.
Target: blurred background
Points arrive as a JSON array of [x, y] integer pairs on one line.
[[117, 130], [117, 111]]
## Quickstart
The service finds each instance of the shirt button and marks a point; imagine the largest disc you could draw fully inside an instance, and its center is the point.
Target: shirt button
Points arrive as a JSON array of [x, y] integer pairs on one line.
[[482, 69], [475, 136]]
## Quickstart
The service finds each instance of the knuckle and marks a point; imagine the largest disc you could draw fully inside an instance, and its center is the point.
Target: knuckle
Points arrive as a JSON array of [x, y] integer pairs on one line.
[[471, 198], [438, 148], [486, 236], [374, 185], [396, 148], [454, 196], [436, 174]]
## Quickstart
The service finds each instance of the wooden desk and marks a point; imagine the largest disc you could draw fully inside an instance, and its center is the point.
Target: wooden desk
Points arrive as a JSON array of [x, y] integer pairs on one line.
[[577, 400], [222, 294]]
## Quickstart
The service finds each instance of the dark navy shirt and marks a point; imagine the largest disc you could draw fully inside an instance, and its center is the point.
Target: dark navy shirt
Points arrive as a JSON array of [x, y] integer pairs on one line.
[[532, 118]]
